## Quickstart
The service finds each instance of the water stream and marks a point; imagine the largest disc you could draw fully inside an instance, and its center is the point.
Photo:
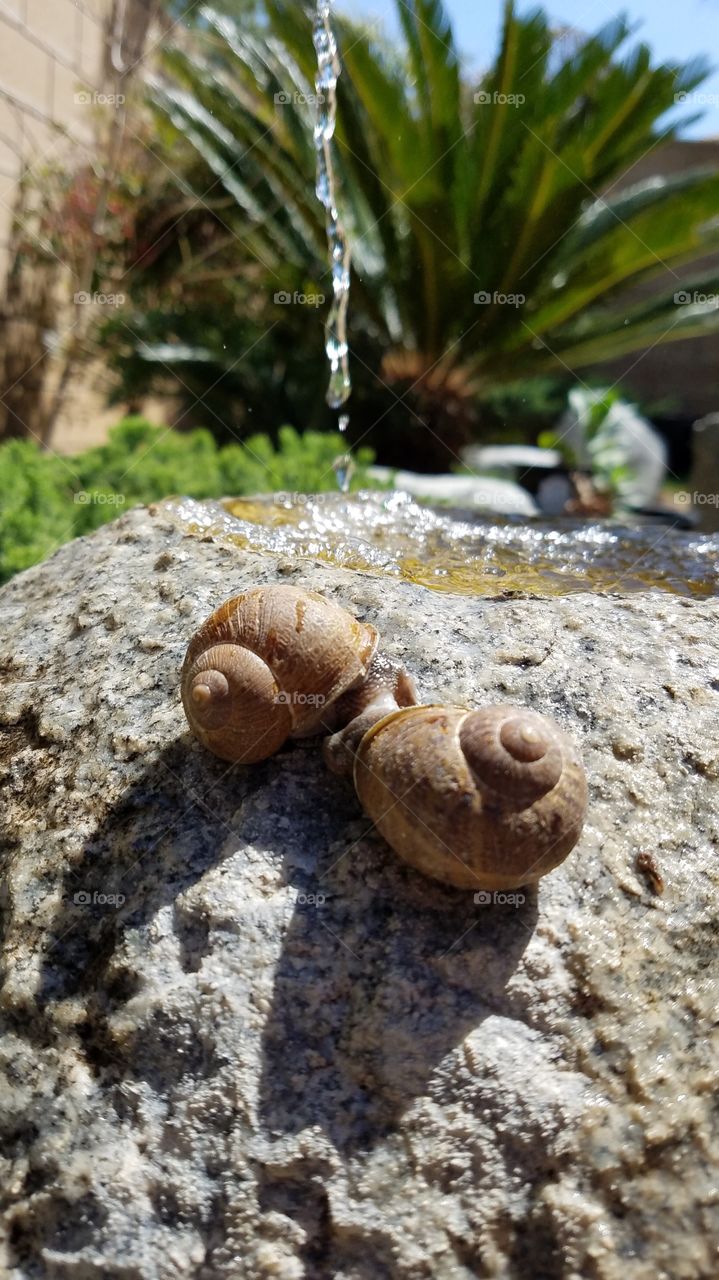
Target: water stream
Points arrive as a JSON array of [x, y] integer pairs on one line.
[[328, 71]]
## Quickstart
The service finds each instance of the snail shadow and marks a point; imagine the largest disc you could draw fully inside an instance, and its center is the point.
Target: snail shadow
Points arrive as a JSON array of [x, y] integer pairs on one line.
[[157, 840], [382, 974]]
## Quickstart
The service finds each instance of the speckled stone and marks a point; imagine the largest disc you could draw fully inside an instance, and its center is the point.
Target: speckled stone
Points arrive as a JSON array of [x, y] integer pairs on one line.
[[241, 1040]]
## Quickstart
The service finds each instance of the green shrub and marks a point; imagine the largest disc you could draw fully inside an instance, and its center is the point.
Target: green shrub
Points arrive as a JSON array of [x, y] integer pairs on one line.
[[37, 512], [46, 500]]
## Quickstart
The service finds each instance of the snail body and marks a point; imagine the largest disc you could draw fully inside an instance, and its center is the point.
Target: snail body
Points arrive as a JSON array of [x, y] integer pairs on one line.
[[274, 663], [486, 799]]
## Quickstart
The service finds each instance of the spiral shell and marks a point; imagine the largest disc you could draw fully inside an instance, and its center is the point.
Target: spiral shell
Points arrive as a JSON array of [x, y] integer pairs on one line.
[[268, 665], [487, 799]]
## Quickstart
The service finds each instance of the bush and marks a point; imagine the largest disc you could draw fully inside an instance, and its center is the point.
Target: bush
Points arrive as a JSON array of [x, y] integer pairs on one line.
[[47, 500], [36, 510]]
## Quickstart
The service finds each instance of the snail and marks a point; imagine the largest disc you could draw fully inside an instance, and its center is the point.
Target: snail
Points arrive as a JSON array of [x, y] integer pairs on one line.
[[279, 662], [485, 799]]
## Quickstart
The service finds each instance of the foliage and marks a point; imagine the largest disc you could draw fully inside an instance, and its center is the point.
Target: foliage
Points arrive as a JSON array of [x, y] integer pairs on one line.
[[48, 499], [36, 512], [598, 417], [452, 192], [516, 411]]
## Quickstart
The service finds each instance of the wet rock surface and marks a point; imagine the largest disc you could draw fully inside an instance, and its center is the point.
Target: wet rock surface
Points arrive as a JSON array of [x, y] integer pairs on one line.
[[240, 1039], [460, 551]]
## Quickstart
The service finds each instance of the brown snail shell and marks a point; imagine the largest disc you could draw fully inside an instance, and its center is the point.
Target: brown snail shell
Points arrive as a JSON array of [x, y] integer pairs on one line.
[[269, 665], [486, 799]]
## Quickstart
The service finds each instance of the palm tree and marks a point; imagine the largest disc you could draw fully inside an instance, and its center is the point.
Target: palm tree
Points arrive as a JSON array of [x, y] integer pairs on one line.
[[490, 243]]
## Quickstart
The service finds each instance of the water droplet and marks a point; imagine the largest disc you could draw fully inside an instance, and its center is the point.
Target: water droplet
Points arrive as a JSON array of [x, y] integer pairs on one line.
[[343, 468]]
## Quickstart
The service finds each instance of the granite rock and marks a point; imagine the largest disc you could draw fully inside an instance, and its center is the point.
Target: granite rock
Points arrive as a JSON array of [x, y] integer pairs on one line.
[[241, 1040]]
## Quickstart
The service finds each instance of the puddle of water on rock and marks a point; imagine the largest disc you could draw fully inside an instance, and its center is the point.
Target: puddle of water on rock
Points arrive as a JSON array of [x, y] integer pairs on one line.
[[389, 533]]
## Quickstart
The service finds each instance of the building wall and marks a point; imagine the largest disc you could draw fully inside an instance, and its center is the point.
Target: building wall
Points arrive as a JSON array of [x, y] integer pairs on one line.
[[51, 60], [681, 376], [53, 80]]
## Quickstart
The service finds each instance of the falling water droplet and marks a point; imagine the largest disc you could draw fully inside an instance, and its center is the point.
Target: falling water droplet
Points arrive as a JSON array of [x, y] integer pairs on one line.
[[343, 468], [328, 71]]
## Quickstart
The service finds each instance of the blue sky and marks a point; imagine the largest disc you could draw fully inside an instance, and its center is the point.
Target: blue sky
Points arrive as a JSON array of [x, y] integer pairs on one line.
[[675, 30]]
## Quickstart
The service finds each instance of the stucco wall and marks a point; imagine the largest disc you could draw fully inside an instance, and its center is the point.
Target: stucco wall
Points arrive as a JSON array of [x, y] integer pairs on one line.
[[53, 83], [51, 58]]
